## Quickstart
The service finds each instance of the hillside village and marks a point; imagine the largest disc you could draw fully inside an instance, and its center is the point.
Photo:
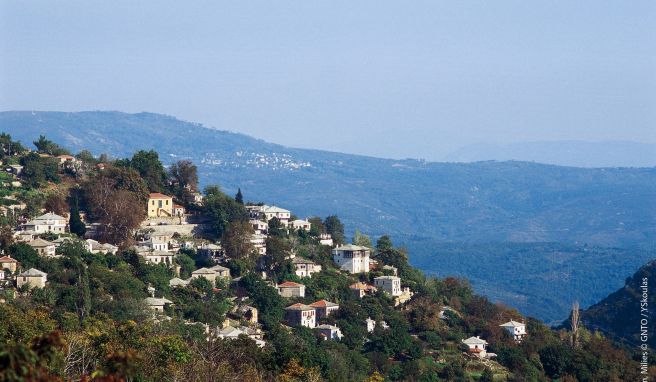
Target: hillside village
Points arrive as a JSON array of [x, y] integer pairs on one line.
[[154, 279]]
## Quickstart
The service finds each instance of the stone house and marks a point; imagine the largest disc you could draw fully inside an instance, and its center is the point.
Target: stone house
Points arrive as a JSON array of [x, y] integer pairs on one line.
[[291, 289], [32, 277], [300, 315]]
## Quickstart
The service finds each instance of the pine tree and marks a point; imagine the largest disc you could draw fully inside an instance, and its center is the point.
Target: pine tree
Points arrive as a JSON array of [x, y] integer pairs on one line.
[[75, 223], [239, 198]]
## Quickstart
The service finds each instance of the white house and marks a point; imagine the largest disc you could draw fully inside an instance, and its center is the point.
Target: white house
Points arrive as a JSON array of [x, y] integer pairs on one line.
[[46, 223], [231, 333], [15, 169], [156, 244], [476, 346], [330, 332], [259, 226], [43, 247], [516, 329], [300, 224], [389, 284], [96, 247], [282, 214], [259, 243], [305, 267], [157, 304], [352, 258], [213, 251], [158, 257], [178, 282], [326, 239], [256, 212], [371, 324], [300, 314]]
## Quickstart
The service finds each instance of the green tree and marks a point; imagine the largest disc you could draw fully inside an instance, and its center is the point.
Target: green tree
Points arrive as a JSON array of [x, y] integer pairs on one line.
[[184, 176], [555, 359], [149, 167], [75, 223], [6, 237], [222, 210], [335, 228], [47, 146], [236, 241], [9, 147], [37, 170], [316, 226], [87, 157], [187, 265], [487, 376], [384, 243], [25, 255], [239, 198], [361, 239], [275, 227]]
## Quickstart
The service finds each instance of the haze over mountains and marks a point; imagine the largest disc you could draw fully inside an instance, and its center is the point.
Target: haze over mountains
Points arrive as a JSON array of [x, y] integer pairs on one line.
[[421, 204], [563, 153]]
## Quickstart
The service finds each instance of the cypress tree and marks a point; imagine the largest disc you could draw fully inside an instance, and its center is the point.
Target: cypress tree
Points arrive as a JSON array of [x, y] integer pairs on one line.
[[239, 198], [75, 223]]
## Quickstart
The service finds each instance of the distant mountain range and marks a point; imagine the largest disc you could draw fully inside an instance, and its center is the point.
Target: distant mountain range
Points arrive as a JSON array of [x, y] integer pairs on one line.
[[419, 203], [563, 153]]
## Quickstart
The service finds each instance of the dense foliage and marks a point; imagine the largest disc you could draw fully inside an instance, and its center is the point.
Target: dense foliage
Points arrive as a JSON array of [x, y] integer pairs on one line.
[[421, 204], [90, 322]]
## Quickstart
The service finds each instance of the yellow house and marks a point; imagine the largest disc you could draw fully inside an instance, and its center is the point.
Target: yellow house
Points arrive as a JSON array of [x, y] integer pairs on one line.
[[160, 205]]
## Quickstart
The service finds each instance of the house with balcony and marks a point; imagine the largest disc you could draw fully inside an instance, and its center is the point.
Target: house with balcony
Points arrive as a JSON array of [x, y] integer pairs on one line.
[[48, 222], [516, 329], [352, 258], [476, 346], [282, 214], [389, 284]]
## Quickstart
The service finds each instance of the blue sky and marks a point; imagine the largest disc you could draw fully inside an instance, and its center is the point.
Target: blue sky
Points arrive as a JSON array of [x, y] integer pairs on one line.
[[385, 78]]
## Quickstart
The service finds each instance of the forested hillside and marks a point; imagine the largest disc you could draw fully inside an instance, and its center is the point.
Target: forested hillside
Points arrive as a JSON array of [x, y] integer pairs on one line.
[[540, 279], [422, 204], [216, 309], [619, 314]]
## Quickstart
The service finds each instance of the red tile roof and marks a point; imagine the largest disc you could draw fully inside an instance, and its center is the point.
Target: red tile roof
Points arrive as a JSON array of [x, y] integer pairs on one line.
[[157, 195], [360, 285], [7, 259], [289, 284], [322, 304], [299, 306]]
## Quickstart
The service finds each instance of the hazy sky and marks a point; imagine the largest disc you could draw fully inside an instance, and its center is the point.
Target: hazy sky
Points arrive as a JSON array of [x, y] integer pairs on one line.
[[386, 78]]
